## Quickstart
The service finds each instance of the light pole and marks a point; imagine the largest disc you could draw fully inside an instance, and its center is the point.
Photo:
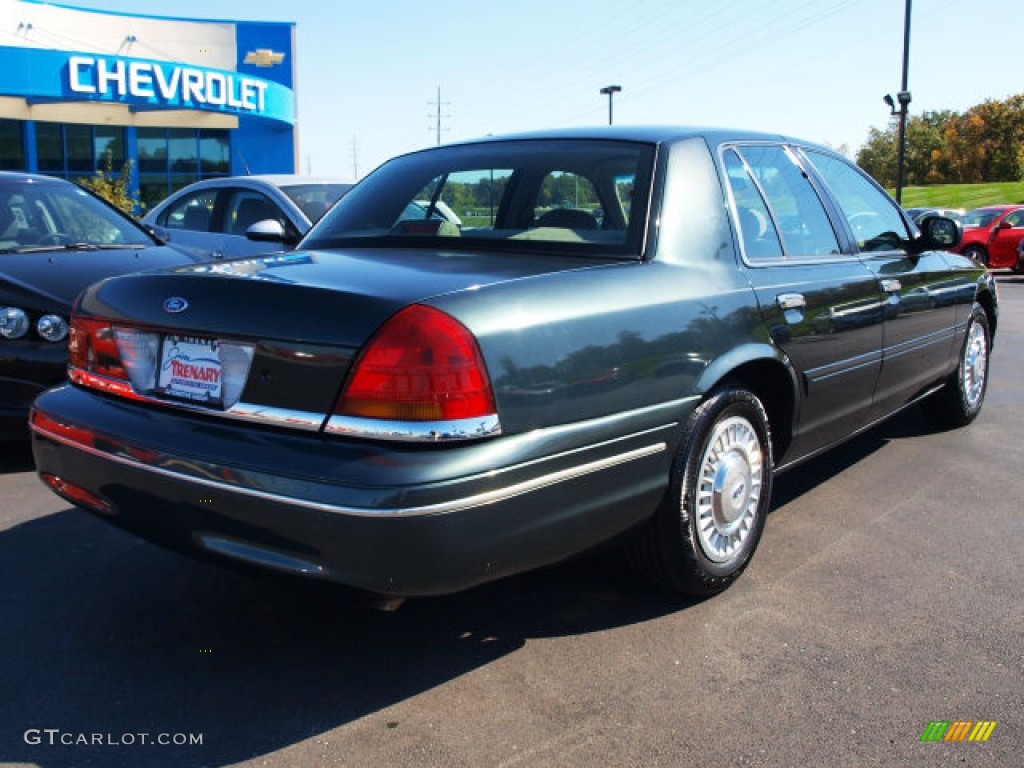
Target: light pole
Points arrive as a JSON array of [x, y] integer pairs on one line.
[[611, 90], [904, 99]]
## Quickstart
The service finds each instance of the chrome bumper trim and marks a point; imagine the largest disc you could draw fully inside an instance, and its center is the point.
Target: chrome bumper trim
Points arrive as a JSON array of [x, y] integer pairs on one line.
[[414, 431], [442, 508]]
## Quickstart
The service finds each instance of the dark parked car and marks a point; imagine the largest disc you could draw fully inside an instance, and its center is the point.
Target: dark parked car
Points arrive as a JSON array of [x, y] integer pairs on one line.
[[55, 239], [237, 216], [414, 407]]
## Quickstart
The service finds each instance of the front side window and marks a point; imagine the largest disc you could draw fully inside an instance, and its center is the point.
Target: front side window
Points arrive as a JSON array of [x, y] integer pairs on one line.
[[559, 195], [1015, 219], [247, 207], [874, 218]]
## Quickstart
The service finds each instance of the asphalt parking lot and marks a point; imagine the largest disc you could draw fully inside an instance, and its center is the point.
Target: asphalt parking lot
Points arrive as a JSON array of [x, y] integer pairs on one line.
[[886, 595]]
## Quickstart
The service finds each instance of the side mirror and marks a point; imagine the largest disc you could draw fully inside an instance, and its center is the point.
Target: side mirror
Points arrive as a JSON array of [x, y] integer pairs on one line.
[[938, 233], [266, 231], [1004, 224]]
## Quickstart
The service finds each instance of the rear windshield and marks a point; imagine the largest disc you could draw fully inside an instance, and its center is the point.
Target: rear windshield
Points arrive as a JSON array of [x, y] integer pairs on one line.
[[566, 196]]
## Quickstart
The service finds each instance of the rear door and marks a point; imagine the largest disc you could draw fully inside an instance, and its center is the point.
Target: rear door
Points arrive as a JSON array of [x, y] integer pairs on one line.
[[191, 223], [822, 307], [922, 292]]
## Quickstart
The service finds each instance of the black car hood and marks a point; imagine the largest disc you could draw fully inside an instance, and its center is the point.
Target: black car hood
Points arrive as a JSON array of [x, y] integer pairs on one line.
[[50, 280], [328, 297]]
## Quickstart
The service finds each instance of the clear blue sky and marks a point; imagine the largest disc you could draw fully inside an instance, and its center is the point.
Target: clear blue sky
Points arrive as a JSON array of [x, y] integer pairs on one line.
[[369, 72]]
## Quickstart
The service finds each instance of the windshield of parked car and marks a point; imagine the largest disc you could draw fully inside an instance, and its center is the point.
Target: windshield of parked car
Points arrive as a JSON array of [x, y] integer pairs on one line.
[[37, 215], [981, 217], [315, 200], [572, 196]]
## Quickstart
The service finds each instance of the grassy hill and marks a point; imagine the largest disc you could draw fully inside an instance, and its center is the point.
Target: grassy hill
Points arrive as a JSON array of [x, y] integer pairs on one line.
[[965, 196]]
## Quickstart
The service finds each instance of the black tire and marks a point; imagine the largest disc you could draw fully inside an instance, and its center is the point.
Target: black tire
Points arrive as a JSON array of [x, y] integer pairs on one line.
[[704, 533], [977, 253], [960, 400]]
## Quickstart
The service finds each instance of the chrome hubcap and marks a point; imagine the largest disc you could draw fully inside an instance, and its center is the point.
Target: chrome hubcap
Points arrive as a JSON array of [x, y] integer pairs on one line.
[[975, 364], [729, 488]]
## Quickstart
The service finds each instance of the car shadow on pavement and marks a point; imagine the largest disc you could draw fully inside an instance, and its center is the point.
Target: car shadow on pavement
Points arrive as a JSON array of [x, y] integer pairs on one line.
[[16, 457], [110, 637], [106, 636]]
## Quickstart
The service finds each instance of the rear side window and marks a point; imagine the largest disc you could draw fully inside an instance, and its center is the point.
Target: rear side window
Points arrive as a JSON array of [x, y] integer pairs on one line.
[[757, 228], [794, 209], [874, 219], [192, 212]]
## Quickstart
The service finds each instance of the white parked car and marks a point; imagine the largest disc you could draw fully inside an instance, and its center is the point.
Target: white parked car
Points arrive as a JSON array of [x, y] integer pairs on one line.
[[237, 216]]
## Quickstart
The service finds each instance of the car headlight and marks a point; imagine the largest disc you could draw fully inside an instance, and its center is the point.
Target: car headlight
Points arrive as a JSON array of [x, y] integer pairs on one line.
[[13, 322], [52, 327]]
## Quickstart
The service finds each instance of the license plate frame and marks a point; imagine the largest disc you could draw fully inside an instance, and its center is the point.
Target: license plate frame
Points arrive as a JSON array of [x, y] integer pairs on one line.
[[191, 370]]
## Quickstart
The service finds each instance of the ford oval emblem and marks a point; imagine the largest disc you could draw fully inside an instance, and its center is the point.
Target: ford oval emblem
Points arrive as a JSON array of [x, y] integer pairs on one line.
[[175, 304]]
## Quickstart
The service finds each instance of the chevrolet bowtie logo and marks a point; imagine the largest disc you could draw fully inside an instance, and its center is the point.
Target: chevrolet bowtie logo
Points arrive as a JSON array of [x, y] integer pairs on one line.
[[263, 57]]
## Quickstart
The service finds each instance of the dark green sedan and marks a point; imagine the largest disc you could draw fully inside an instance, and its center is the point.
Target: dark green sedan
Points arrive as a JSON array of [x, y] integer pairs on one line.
[[494, 355]]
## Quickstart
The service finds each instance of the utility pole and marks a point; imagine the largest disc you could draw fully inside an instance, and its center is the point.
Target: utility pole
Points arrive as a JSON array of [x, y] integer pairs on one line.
[[437, 115], [904, 100]]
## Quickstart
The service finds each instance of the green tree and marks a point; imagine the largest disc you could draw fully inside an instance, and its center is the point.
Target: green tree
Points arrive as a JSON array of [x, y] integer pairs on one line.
[[878, 156], [115, 188], [984, 144]]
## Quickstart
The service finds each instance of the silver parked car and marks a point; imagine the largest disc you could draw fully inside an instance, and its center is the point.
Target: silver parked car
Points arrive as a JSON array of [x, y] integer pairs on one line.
[[236, 216]]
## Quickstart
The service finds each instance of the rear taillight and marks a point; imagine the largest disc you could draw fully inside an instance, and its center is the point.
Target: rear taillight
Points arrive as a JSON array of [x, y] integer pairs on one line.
[[104, 358], [422, 365], [92, 347]]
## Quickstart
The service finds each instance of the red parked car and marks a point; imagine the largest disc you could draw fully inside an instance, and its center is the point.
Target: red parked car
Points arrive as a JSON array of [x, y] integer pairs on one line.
[[993, 236]]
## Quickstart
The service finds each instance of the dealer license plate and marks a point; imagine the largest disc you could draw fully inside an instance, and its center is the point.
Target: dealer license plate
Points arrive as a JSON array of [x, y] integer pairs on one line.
[[190, 368]]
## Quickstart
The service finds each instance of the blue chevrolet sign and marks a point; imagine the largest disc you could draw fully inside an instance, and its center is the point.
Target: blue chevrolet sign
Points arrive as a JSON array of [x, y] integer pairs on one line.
[[46, 75]]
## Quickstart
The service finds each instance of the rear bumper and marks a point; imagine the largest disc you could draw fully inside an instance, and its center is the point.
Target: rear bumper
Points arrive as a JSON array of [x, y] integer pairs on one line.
[[393, 520]]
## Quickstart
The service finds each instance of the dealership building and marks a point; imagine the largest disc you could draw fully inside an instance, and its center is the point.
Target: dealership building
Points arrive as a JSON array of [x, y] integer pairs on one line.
[[181, 99]]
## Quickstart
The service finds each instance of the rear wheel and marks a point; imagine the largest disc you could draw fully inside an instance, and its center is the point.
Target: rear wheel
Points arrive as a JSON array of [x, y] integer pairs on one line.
[[960, 400], [709, 524], [977, 253]]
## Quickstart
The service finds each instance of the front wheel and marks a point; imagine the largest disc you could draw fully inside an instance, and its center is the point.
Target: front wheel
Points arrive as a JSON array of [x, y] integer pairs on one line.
[[707, 528], [960, 400]]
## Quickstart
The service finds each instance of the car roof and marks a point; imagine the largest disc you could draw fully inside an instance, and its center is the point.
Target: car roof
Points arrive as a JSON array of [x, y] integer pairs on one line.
[[263, 180], [647, 133], [651, 134], [289, 179]]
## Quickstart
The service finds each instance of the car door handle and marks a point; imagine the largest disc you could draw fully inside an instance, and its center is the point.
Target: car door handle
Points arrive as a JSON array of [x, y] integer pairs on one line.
[[890, 285], [791, 300]]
